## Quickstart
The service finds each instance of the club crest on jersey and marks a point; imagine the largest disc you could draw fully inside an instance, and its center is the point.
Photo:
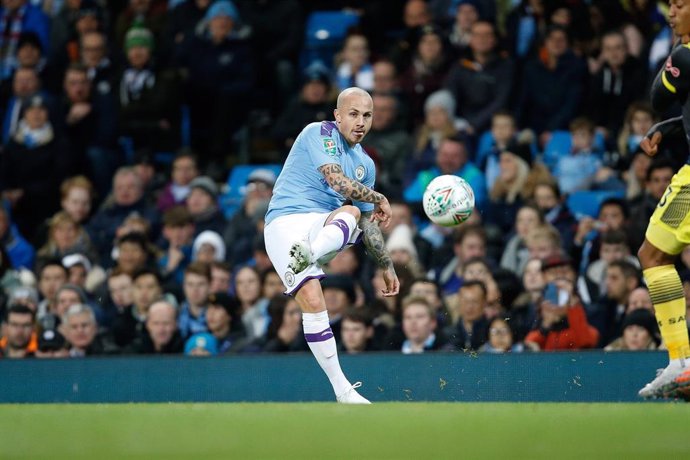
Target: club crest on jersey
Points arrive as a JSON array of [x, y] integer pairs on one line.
[[675, 71], [329, 146], [359, 172], [289, 278]]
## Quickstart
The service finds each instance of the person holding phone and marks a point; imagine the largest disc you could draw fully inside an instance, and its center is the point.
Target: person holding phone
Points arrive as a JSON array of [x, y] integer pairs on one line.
[[562, 323]]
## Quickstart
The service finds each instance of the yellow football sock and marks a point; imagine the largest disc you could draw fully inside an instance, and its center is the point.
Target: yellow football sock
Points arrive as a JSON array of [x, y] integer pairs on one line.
[[666, 292]]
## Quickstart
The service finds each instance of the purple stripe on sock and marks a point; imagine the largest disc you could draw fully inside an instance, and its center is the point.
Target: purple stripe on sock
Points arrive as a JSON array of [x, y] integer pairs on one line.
[[342, 225], [319, 336], [301, 283]]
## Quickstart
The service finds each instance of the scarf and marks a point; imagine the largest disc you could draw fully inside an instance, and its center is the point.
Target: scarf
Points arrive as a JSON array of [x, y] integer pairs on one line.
[[10, 28], [33, 138], [133, 83]]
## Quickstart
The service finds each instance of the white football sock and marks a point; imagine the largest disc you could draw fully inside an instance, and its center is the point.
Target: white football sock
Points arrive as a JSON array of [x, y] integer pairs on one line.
[[334, 235], [320, 338]]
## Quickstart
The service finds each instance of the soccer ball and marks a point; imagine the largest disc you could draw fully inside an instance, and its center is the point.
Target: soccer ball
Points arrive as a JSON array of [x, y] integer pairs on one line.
[[448, 200]]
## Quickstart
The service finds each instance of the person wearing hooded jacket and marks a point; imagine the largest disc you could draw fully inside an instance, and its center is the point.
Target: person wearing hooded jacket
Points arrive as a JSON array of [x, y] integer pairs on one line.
[[220, 71]]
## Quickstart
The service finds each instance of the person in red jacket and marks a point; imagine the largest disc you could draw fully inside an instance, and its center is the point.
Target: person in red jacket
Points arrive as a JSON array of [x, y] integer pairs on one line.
[[562, 320]]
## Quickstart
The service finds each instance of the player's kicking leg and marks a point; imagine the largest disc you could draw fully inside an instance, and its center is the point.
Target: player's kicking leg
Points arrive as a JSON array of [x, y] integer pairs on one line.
[[332, 237]]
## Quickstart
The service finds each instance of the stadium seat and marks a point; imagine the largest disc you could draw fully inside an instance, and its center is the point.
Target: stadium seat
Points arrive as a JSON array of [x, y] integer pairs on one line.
[[586, 203], [185, 126], [234, 190], [559, 145], [324, 35], [484, 147]]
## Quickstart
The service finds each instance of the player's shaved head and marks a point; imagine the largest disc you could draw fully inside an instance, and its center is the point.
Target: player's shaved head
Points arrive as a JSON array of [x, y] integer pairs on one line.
[[345, 94], [353, 114]]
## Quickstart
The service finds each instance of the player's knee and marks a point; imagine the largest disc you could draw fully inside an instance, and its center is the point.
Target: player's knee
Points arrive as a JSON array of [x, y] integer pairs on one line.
[[354, 210], [650, 256], [310, 296]]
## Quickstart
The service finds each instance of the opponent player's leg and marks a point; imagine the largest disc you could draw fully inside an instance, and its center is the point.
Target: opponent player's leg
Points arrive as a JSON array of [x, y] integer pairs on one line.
[[666, 291], [333, 236], [317, 331]]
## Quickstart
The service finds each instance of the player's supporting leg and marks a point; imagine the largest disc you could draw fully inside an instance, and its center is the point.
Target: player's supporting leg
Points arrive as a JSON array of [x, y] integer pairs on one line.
[[666, 291], [317, 331], [332, 237]]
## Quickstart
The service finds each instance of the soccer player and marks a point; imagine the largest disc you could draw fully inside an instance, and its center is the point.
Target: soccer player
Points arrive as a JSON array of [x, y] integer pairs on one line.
[[307, 223], [668, 232]]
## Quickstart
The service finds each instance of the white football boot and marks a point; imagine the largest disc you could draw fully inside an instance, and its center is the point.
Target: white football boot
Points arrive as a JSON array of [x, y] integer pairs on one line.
[[665, 382], [352, 397], [300, 257]]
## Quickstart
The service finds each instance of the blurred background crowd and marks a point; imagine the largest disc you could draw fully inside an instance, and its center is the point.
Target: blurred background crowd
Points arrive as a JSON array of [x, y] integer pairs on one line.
[[141, 141]]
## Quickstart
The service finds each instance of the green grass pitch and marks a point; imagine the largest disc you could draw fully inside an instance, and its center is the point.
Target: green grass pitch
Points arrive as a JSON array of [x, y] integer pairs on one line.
[[331, 431]]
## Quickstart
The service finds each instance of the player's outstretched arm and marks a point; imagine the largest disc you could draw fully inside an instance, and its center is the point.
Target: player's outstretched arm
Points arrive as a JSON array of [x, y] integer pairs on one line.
[[376, 248]]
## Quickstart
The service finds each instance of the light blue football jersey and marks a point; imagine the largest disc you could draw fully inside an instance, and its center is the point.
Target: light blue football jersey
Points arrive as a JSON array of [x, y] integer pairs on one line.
[[301, 188]]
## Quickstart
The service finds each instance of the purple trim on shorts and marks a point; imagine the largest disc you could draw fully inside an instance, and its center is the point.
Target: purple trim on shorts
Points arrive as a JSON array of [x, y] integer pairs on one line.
[[319, 336], [310, 277], [342, 225]]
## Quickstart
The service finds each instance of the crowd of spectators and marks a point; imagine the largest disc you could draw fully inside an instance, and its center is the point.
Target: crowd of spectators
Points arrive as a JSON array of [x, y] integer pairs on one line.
[[107, 247]]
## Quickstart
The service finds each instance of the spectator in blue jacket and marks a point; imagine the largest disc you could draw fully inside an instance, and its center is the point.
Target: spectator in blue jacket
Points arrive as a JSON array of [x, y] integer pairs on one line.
[[17, 16], [451, 158], [20, 252]]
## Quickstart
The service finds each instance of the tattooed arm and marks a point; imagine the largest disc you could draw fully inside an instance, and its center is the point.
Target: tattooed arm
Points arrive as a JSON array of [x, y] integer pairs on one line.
[[375, 245], [347, 187], [357, 191]]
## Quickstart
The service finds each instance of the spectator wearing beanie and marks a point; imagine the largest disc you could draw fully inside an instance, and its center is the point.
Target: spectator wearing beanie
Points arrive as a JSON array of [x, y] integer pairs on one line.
[[208, 247], [439, 123], [401, 247], [640, 332], [149, 14], [313, 103], [148, 103], [220, 71], [202, 203]]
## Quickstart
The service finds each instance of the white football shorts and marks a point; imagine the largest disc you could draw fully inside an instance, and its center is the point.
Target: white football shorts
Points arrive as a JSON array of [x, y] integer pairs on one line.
[[279, 237]]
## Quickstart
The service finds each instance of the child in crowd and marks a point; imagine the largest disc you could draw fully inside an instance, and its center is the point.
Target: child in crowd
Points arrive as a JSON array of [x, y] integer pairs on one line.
[[178, 232], [578, 170], [503, 131]]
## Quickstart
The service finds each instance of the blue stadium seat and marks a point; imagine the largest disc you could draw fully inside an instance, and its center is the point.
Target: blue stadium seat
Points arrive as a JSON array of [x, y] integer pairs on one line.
[[231, 198], [185, 126], [484, 147], [559, 145], [587, 202], [324, 35]]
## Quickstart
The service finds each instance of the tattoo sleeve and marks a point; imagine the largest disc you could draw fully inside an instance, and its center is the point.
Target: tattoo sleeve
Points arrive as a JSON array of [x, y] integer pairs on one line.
[[347, 187], [373, 241]]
